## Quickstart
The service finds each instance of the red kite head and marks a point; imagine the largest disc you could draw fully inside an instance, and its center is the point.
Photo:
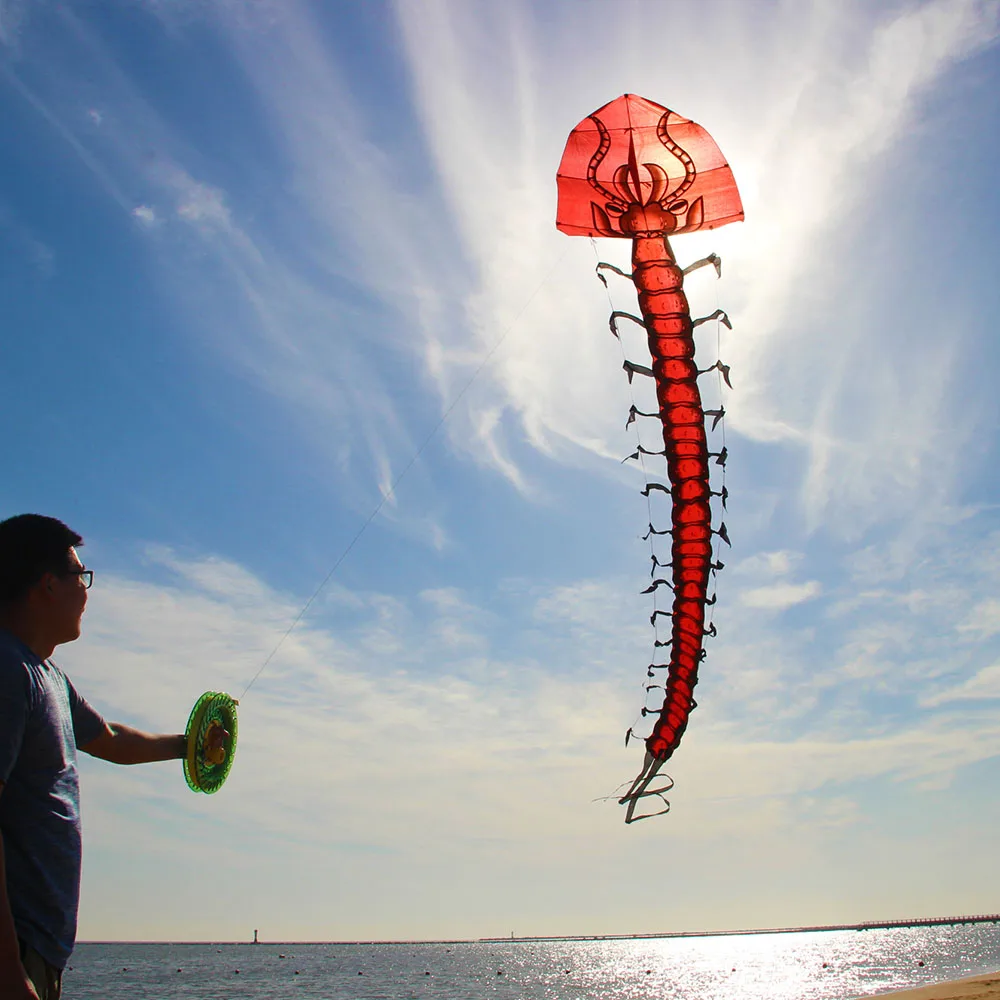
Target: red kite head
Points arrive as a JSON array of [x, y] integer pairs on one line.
[[634, 168]]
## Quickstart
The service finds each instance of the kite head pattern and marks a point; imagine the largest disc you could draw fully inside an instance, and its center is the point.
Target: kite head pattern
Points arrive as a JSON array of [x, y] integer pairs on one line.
[[636, 170]]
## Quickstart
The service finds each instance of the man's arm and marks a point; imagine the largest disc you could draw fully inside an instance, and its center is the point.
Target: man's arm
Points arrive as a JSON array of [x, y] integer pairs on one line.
[[122, 744], [14, 981]]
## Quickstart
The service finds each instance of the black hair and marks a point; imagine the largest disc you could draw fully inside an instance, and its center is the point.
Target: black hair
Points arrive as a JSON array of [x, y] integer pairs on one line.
[[32, 545]]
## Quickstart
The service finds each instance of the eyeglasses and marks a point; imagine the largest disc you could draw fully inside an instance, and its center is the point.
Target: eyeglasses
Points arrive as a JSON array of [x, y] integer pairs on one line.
[[86, 575]]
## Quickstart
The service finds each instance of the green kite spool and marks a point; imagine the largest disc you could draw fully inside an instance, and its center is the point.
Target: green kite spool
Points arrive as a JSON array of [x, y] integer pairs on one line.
[[205, 768]]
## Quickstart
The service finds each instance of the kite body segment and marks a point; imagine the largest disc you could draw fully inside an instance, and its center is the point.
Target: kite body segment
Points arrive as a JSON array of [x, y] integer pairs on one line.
[[634, 169]]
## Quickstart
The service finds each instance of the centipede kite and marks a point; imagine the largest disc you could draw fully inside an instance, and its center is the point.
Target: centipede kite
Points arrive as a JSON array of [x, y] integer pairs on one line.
[[638, 171]]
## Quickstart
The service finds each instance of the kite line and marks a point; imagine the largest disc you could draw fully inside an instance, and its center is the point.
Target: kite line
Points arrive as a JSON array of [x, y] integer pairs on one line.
[[406, 468]]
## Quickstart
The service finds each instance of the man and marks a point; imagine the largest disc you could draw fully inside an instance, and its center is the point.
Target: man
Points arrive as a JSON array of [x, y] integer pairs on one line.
[[43, 721]]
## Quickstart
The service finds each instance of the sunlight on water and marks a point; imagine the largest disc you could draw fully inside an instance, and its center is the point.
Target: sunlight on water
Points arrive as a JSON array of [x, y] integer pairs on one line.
[[809, 966]]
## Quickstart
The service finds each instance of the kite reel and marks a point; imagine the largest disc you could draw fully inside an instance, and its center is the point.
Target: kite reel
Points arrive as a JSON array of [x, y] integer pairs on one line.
[[211, 742]]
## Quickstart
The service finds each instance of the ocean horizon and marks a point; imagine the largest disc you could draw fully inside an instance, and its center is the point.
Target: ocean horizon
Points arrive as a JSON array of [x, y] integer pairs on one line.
[[865, 925], [805, 964]]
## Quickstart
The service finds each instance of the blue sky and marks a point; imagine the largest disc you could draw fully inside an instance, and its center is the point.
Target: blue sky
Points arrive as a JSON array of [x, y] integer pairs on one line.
[[252, 254]]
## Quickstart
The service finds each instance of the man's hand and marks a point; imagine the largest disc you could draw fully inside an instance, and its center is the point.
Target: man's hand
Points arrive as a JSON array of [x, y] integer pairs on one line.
[[215, 743], [14, 982]]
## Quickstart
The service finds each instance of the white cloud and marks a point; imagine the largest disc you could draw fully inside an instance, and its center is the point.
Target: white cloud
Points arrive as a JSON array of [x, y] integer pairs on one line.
[[389, 668], [199, 203], [769, 564], [985, 684], [983, 620], [150, 649], [146, 214], [765, 567], [780, 596], [486, 761]]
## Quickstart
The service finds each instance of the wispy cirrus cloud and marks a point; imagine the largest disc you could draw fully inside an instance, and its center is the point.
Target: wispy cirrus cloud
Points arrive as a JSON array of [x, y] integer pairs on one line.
[[13, 14], [291, 304], [467, 255], [814, 144], [25, 244]]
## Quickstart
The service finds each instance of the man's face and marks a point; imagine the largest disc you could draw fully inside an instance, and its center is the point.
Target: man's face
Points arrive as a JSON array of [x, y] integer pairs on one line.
[[66, 597]]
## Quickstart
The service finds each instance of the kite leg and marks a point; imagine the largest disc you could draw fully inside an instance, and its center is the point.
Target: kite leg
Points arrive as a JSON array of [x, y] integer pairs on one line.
[[713, 258]]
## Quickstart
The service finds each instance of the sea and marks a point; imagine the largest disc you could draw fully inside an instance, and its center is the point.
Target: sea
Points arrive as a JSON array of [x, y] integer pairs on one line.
[[801, 965]]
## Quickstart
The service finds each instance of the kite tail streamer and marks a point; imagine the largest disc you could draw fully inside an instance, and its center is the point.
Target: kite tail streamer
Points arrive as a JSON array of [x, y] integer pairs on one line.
[[640, 789]]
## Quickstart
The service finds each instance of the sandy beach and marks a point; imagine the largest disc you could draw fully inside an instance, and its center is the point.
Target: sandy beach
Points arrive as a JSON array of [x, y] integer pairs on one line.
[[984, 987]]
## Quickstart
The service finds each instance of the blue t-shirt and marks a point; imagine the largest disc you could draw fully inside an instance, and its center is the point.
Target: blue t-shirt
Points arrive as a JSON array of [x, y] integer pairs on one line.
[[42, 722]]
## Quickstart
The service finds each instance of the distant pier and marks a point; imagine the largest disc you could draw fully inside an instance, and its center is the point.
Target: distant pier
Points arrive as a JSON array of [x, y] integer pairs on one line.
[[868, 925]]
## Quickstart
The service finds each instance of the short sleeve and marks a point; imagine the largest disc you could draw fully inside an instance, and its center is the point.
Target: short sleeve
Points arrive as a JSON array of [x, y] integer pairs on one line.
[[15, 696], [88, 723]]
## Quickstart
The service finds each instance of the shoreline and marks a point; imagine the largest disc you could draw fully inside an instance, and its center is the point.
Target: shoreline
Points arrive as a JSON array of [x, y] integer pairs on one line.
[[985, 986]]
